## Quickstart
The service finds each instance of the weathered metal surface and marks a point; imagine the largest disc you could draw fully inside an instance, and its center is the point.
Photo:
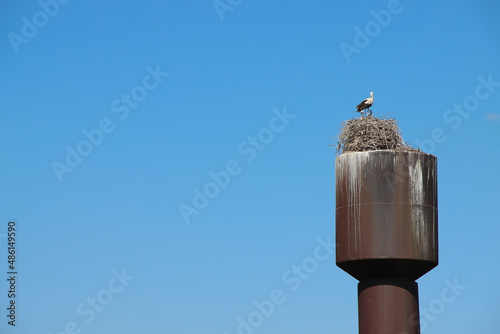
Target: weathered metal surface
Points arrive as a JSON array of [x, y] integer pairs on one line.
[[386, 213], [388, 306]]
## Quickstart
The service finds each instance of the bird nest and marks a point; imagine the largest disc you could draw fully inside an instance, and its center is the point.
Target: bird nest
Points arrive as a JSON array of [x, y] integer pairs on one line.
[[370, 133]]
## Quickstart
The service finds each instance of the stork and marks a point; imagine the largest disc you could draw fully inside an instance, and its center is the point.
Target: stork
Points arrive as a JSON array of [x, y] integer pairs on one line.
[[366, 104]]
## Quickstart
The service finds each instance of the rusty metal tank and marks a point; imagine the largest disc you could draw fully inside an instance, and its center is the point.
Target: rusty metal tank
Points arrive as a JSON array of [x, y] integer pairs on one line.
[[386, 213]]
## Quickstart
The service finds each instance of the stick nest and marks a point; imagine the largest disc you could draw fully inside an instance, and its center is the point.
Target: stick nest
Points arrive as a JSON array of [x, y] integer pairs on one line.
[[371, 133]]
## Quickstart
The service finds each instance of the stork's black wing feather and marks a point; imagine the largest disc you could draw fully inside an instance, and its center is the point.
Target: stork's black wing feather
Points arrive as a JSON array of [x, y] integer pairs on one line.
[[362, 105]]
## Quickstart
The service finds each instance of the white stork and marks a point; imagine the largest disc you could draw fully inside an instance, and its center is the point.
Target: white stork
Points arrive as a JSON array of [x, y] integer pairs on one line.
[[366, 104]]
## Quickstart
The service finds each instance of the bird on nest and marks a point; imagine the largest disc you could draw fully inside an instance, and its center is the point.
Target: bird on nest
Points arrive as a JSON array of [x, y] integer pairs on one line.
[[365, 104]]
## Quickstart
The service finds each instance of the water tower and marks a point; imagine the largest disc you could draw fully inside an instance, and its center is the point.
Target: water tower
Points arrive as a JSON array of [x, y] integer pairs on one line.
[[387, 233]]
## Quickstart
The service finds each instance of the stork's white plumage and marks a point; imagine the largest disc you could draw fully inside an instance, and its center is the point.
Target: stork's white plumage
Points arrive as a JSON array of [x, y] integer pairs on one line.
[[366, 104]]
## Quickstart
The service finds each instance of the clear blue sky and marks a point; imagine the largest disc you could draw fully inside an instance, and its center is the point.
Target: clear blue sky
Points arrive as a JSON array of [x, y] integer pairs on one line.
[[115, 115]]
